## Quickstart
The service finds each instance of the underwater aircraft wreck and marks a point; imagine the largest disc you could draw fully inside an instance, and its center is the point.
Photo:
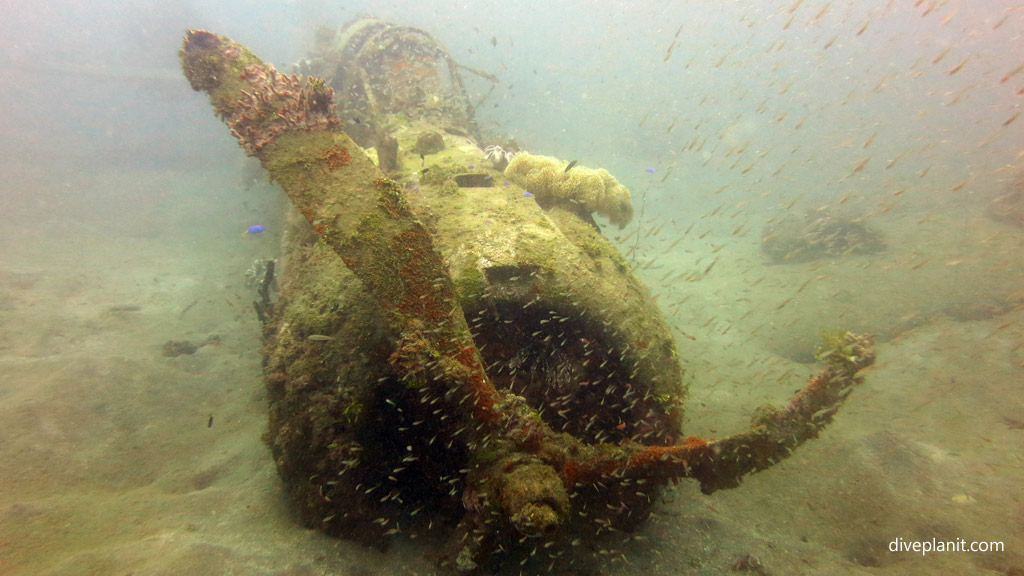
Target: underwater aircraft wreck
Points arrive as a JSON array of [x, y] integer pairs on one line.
[[456, 350]]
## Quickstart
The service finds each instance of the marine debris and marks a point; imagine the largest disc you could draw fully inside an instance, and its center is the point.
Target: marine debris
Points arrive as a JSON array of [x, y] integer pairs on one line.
[[256, 275], [264, 281], [179, 348], [174, 348], [471, 361], [819, 235]]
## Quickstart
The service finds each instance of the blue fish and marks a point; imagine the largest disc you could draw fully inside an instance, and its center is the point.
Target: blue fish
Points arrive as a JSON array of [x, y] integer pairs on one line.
[[649, 170], [255, 229], [527, 194]]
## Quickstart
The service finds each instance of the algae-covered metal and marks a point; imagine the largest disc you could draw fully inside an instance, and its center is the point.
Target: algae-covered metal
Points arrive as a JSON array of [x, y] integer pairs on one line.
[[446, 355]]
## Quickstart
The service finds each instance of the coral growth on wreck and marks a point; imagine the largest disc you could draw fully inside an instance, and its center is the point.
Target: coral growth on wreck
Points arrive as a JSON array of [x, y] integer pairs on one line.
[[267, 103], [585, 188]]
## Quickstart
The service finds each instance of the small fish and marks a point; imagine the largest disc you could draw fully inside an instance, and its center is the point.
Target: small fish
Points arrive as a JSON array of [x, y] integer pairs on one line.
[[472, 166], [320, 338], [668, 53], [649, 170], [494, 41], [569, 167], [209, 423], [1011, 74], [820, 14], [255, 229], [949, 16], [527, 194], [942, 55], [957, 68], [424, 171]]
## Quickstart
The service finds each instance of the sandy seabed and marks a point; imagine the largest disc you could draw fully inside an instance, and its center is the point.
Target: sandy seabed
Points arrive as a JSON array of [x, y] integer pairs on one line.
[[109, 463]]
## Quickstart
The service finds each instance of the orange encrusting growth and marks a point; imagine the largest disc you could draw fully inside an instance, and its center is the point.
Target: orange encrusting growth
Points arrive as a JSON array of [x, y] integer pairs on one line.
[[678, 452], [336, 157]]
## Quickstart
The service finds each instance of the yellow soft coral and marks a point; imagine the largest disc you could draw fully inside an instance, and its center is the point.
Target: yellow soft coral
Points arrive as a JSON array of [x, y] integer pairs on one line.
[[586, 188]]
